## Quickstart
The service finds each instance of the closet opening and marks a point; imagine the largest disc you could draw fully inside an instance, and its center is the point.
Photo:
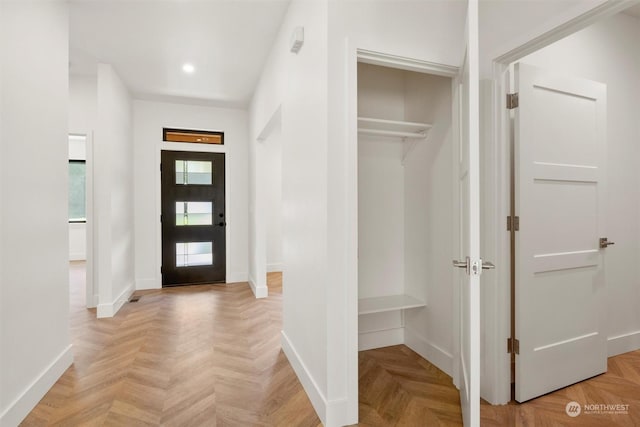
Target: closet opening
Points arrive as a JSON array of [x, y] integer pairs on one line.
[[407, 207]]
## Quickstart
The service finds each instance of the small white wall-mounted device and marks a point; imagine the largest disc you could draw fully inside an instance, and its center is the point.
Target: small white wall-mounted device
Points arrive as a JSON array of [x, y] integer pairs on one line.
[[297, 39]]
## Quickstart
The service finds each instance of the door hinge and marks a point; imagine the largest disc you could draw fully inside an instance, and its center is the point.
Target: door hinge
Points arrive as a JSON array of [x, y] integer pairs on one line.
[[513, 346], [512, 101], [160, 167], [161, 269], [513, 222]]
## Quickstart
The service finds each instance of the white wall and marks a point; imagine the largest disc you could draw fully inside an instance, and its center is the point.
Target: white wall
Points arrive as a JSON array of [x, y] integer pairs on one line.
[[381, 218], [320, 299], [257, 262], [607, 52], [83, 104], [428, 31], [381, 235], [381, 203], [35, 347], [273, 196], [506, 25], [429, 227], [298, 83], [113, 193], [149, 119], [83, 93]]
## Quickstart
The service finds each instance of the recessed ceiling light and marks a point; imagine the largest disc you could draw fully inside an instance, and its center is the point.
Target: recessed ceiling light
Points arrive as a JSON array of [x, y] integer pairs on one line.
[[188, 68]]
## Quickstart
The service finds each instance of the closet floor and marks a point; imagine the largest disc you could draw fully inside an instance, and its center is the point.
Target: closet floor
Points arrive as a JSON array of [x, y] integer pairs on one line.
[[398, 387]]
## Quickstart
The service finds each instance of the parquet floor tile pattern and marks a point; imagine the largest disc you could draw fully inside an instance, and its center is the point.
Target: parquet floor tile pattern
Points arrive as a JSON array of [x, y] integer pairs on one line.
[[188, 356], [620, 385], [210, 356], [400, 388]]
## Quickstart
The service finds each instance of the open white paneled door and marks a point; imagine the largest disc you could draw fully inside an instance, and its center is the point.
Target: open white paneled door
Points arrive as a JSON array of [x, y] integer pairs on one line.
[[468, 359], [560, 131]]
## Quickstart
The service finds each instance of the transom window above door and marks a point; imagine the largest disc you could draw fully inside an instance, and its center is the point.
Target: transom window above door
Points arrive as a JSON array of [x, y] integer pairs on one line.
[[193, 136]]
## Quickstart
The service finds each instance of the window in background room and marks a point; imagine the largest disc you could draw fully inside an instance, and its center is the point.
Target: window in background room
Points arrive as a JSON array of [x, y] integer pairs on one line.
[[77, 191]]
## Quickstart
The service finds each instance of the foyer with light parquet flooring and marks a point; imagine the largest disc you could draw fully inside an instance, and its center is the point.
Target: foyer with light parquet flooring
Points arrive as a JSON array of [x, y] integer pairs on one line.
[[210, 356], [187, 356]]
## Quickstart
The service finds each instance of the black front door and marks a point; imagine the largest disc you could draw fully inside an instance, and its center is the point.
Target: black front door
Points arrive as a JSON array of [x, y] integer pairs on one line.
[[193, 218]]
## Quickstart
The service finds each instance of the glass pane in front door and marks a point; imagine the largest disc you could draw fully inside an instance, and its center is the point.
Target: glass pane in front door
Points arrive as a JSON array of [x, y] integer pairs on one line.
[[193, 172], [194, 213]]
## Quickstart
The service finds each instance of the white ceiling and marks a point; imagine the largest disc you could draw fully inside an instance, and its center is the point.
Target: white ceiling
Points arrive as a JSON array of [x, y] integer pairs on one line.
[[633, 11], [148, 41]]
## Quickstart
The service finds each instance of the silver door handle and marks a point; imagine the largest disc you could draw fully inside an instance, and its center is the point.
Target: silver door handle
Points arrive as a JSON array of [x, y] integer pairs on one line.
[[604, 242], [466, 264], [486, 265]]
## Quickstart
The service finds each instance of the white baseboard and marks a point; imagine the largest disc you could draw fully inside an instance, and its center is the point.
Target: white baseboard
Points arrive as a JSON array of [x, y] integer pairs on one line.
[[377, 339], [332, 413], [258, 291], [144, 284], [235, 277], [623, 343], [110, 309], [92, 301], [337, 414], [77, 256], [274, 267], [431, 352], [310, 387], [28, 399]]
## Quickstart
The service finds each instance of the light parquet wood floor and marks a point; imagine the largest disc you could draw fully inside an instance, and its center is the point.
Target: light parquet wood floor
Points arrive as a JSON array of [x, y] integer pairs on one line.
[[210, 356], [189, 356], [400, 388], [619, 386]]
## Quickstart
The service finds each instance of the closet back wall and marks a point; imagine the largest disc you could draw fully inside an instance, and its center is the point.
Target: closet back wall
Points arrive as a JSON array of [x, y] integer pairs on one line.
[[380, 192]]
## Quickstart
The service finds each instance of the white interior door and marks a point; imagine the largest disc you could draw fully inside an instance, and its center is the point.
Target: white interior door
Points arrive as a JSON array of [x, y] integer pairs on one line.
[[468, 360], [559, 157]]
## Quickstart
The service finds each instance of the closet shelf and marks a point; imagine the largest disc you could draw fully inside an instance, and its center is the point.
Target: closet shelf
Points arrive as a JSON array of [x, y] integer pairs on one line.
[[369, 126], [388, 303]]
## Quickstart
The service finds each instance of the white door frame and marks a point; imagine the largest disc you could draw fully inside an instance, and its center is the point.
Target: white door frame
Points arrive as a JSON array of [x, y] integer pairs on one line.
[[258, 226], [496, 137], [355, 55], [90, 270], [91, 295]]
